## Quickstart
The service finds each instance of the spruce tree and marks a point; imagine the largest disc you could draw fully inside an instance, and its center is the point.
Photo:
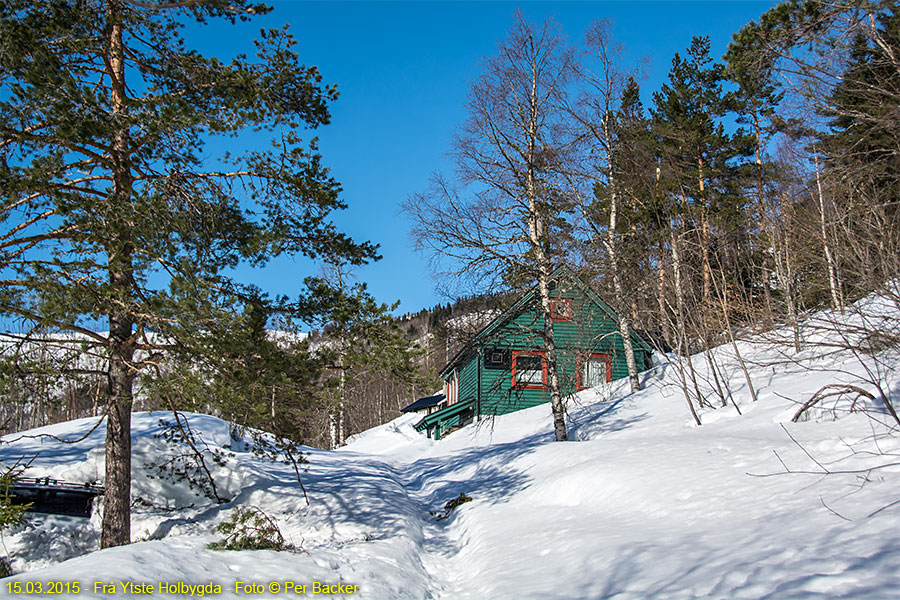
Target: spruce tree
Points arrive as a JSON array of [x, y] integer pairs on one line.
[[363, 347], [111, 214]]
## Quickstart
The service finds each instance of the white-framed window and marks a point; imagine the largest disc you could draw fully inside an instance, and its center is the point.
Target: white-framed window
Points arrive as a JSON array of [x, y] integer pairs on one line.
[[594, 369], [529, 370]]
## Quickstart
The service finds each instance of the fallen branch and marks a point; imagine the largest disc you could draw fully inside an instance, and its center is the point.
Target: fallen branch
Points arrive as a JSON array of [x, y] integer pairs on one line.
[[831, 390]]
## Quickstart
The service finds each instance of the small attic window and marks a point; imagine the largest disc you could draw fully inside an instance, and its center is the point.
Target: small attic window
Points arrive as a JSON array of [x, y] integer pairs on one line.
[[562, 309]]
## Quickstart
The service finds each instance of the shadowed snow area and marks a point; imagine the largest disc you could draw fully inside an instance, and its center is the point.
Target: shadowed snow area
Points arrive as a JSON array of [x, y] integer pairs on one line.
[[642, 504]]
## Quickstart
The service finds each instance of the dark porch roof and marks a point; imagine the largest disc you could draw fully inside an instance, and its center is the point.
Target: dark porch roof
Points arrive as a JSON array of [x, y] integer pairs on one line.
[[426, 402]]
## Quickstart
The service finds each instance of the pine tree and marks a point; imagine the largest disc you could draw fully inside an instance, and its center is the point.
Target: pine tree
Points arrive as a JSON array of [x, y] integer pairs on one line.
[[110, 212], [361, 343], [694, 195], [643, 214], [240, 368], [695, 149], [755, 103]]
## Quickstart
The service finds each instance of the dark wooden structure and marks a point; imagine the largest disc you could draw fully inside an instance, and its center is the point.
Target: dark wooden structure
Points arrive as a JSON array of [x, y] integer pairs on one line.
[[55, 497]]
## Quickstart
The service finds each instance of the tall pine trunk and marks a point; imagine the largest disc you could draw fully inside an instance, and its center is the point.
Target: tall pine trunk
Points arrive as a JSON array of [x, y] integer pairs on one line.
[[116, 525]]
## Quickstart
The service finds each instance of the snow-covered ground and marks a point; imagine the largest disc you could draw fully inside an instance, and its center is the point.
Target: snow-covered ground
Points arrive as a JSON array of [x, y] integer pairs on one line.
[[641, 504]]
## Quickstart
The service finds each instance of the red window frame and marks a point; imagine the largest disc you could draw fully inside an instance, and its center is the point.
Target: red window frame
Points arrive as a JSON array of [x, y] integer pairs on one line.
[[530, 386], [580, 365], [555, 314]]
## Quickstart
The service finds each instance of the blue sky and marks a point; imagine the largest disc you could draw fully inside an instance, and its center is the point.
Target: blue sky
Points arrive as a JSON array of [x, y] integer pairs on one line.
[[403, 70]]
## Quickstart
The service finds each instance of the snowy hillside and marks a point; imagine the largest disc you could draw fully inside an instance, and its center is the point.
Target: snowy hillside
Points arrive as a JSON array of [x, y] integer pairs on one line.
[[643, 504]]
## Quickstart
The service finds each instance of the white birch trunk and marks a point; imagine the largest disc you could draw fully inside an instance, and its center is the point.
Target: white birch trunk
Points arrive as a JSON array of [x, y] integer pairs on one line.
[[836, 297], [612, 251]]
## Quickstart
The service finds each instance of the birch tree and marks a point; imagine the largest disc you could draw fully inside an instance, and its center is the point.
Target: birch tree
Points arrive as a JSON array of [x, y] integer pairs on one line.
[[502, 223], [604, 86]]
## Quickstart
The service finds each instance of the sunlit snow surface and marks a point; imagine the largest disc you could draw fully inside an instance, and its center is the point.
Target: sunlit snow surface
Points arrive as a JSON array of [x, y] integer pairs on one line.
[[642, 504]]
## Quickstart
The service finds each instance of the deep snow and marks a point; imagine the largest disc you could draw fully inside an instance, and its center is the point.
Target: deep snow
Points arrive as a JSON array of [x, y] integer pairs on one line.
[[641, 504]]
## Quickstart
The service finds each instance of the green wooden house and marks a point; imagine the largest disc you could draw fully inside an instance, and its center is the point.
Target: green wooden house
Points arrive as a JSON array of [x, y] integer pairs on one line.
[[503, 368]]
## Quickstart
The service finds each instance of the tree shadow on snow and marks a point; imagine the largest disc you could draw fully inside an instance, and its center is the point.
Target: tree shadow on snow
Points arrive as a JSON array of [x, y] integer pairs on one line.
[[593, 420]]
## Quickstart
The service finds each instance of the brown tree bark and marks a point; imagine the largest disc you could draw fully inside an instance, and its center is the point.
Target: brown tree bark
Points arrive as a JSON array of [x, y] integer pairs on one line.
[[116, 525]]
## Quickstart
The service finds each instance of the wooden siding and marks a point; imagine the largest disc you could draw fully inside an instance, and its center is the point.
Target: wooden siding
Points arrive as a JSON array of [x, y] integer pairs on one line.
[[458, 415], [591, 331]]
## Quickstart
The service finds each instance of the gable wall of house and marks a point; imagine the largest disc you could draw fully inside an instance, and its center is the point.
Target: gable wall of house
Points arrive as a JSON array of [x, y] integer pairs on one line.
[[468, 378]]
